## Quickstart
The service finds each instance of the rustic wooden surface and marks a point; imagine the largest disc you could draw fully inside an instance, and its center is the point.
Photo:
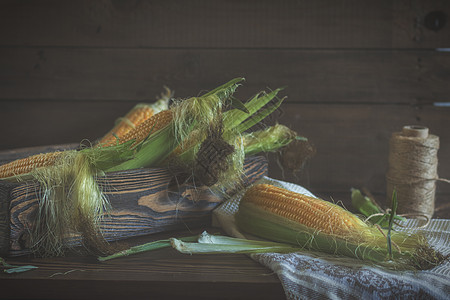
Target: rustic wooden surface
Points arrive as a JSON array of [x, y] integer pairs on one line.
[[223, 24], [160, 274]]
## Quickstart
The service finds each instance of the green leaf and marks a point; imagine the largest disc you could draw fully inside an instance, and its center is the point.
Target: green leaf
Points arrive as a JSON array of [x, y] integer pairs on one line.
[[201, 248], [225, 90], [236, 103], [268, 140], [259, 116], [363, 203], [20, 269], [146, 247], [9, 269], [371, 210], [152, 152], [234, 117], [212, 244], [104, 158], [391, 222]]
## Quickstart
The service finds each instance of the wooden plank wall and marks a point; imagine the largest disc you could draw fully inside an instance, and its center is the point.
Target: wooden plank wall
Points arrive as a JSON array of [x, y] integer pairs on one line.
[[355, 71]]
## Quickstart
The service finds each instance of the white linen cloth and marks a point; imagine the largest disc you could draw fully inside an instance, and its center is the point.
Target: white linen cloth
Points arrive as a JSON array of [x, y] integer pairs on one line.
[[307, 275]]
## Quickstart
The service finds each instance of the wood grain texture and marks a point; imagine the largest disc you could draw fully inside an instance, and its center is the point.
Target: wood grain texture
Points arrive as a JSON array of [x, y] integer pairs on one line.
[[223, 24], [144, 201], [160, 274], [5, 231], [345, 76], [352, 143]]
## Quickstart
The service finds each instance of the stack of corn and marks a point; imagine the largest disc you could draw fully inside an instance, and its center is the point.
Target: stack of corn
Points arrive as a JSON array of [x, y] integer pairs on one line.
[[147, 137]]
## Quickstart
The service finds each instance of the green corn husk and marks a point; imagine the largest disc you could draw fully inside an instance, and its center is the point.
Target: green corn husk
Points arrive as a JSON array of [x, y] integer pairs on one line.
[[202, 111], [159, 244], [235, 122], [410, 251], [268, 140], [195, 112], [213, 244], [152, 151], [11, 269], [229, 125], [206, 243], [233, 118], [371, 210]]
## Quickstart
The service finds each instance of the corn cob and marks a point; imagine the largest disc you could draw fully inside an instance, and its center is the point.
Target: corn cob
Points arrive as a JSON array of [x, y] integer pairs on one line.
[[28, 164], [151, 125], [284, 216], [137, 115], [134, 118], [312, 212]]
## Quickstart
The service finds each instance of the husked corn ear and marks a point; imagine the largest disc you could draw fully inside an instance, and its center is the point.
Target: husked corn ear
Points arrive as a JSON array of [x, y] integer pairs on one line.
[[28, 164], [133, 119], [312, 212], [152, 124]]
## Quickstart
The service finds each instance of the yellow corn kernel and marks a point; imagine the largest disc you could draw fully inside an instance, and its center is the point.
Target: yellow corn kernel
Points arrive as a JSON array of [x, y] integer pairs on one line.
[[28, 164], [312, 212], [133, 119], [151, 125]]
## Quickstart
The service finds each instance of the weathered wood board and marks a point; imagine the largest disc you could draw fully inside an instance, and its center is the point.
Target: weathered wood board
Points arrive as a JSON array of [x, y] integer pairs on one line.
[[223, 24], [143, 201], [96, 77]]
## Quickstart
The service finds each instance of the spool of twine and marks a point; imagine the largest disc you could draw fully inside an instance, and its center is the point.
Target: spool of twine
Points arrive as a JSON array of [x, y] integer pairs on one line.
[[413, 170]]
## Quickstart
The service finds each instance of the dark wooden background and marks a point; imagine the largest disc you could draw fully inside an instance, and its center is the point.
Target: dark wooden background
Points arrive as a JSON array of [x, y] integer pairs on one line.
[[355, 71]]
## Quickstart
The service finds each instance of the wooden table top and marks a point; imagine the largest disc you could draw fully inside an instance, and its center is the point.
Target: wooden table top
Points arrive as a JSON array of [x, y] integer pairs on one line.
[[159, 274]]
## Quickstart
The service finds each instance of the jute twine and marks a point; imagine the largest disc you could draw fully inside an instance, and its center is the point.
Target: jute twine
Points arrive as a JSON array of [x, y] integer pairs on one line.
[[413, 170]]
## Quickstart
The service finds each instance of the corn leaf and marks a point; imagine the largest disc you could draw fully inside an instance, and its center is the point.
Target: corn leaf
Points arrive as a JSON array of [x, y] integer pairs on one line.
[[146, 247], [258, 117], [10, 269], [154, 150], [225, 90], [391, 222], [372, 211], [213, 244], [236, 103], [234, 117], [268, 140]]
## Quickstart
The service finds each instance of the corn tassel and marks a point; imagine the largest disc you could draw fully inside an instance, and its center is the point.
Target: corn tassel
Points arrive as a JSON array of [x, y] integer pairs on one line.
[[284, 216]]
